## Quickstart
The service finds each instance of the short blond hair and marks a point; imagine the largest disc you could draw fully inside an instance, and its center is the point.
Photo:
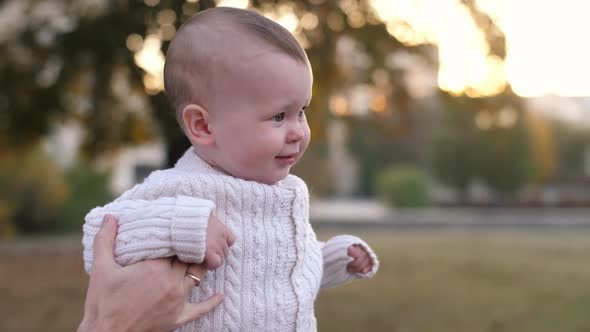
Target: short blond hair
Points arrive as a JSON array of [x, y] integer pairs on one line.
[[192, 64]]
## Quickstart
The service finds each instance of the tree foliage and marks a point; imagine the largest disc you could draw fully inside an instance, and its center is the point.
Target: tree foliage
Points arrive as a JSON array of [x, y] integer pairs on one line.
[[61, 63], [485, 140]]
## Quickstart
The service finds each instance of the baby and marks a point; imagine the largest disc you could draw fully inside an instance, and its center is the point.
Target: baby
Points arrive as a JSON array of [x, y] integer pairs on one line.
[[240, 84]]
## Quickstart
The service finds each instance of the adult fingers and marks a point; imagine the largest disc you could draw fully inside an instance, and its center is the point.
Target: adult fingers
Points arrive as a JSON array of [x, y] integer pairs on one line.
[[179, 269], [198, 270], [104, 242], [178, 266], [194, 311]]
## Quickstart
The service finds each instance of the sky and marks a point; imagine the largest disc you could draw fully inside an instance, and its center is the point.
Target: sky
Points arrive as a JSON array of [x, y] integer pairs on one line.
[[546, 52]]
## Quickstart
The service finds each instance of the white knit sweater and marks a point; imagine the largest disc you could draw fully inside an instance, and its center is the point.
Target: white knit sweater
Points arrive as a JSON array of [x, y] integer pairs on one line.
[[276, 266]]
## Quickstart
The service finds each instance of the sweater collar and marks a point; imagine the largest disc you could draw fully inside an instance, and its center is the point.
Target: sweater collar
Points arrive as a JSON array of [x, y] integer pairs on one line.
[[191, 162]]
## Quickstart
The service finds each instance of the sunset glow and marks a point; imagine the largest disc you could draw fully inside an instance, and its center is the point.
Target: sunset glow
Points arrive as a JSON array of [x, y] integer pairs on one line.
[[545, 49], [546, 52]]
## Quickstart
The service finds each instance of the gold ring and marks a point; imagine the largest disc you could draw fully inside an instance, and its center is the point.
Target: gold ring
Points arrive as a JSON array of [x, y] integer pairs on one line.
[[196, 279]]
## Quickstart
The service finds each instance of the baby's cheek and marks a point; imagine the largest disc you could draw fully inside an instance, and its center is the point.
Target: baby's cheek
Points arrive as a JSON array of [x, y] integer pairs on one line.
[[247, 158], [306, 140]]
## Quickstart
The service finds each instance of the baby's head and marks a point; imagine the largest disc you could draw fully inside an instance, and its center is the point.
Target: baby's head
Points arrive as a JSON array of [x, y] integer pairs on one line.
[[240, 84]]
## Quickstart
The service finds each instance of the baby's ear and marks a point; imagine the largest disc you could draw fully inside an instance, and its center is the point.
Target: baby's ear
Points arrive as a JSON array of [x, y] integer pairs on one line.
[[196, 125]]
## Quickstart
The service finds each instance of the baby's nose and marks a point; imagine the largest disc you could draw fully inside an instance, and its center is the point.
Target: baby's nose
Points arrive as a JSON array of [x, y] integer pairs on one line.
[[295, 133]]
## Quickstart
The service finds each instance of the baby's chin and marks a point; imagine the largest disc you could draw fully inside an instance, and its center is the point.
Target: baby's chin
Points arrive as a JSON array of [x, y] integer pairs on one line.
[[268, 180], [273, 181]]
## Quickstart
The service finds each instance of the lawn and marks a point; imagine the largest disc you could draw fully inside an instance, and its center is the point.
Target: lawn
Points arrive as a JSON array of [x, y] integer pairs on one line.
[[428, 281]]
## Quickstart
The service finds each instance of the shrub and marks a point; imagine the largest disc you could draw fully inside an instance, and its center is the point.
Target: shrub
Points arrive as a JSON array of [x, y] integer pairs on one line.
[[37, 197], [88, 188], [403, 186], [7, 230], [32, 190]]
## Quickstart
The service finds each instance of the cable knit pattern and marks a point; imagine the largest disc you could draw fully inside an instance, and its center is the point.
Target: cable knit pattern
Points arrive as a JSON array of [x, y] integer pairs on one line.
[[232, 266], [276, 266]]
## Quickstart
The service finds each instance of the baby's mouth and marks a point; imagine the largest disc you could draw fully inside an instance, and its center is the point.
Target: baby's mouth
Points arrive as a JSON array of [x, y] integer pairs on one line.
[[287, 159]]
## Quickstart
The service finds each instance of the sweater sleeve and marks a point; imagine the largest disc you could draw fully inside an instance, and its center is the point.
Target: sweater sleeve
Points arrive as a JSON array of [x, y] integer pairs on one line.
[[149, 229], [335, 255]]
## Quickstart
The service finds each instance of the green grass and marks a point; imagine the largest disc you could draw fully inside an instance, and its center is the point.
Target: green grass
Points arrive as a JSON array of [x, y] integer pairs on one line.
[[428, 281], [468, 282]]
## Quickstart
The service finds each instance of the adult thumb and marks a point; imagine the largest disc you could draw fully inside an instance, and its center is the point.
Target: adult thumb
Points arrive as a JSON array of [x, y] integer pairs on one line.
[[104, 242]]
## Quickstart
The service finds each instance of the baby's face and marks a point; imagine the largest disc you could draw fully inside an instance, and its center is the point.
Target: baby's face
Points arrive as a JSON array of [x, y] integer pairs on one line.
[[259, 123]]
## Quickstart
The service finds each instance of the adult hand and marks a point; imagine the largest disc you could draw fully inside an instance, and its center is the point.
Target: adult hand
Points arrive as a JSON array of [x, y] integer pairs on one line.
[[219, 239], [148, 296]]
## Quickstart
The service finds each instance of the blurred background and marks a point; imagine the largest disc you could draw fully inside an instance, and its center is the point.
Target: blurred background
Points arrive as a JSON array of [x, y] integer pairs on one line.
[[452, 135]]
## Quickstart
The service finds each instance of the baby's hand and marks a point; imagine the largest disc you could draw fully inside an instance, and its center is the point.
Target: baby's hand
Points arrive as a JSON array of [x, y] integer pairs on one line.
[[219, 239], [362, 262]]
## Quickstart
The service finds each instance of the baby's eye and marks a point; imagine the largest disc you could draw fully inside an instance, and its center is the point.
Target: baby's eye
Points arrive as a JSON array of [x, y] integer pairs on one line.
[[279, 117], [301, 114]]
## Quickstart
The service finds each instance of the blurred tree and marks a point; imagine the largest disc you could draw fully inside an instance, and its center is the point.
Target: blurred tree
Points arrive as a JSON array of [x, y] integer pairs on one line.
[[32, 190], [482, 139], [377, 145], [37, 197], [454, 148], [573, 145], [543, 148], [68, 59]]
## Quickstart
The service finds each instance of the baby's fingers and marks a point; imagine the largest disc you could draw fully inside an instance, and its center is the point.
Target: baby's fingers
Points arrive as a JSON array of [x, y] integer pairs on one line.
[[367, 266], [351, 268], [356, 265], [355, 251]]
